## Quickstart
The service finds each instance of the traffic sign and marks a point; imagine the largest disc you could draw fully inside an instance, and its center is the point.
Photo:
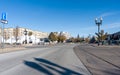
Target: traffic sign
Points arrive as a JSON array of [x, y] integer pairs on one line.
[[3, 16]]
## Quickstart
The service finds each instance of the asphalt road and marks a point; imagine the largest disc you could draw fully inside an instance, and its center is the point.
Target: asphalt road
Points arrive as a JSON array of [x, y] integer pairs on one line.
[[49, 60], [100, 60]]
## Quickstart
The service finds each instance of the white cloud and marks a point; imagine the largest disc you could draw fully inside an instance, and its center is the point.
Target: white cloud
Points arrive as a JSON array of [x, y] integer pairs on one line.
[[107, 26], [108, 14], [93, 29], [112, 26]]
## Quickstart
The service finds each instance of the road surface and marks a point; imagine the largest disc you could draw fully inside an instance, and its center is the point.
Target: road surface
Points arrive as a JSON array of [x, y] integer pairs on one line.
[[102, 60], [51, 60]]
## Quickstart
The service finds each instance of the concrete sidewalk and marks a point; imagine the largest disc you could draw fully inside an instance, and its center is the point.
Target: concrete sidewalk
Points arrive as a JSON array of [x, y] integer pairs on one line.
[[11, 49]]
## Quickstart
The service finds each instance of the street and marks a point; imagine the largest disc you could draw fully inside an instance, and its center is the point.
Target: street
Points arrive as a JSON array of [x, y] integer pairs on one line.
[[49, 60], [102, 60]]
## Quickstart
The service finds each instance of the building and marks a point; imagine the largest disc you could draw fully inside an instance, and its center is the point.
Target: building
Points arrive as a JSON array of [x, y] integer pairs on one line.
[[114, 36], [17, 34]]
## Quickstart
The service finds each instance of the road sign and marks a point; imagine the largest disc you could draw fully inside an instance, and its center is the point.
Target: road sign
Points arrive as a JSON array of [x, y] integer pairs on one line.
[[4, 21], [3, 16]]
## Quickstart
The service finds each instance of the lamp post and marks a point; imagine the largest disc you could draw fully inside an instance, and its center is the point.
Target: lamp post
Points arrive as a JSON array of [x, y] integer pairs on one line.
[[98, 23], [25, 33]]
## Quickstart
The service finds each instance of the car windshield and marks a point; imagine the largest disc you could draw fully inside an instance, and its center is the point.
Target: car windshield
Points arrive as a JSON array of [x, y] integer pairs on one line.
[[59, 37]]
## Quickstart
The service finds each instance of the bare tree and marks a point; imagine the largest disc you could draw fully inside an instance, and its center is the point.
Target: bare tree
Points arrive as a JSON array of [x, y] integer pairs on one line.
[[61, 38], [16, 33], [53, 37], [30, 33]]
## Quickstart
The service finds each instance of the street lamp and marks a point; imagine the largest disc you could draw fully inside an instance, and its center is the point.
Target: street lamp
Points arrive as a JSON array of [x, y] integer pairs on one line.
[[25, 33], [98, 23]]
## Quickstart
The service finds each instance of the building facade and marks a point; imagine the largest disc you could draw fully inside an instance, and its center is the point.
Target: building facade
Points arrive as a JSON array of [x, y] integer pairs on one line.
[[19, 33]]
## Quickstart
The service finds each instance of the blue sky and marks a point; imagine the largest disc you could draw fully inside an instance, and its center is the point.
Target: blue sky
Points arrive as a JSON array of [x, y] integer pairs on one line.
[[73, 16]]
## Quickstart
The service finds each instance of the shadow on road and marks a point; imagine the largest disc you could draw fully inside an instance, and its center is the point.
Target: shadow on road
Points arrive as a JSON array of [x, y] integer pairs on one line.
[[48, 67]]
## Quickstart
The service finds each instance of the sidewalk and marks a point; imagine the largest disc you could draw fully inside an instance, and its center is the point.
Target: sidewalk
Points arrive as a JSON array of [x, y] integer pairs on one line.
[[11, 48]]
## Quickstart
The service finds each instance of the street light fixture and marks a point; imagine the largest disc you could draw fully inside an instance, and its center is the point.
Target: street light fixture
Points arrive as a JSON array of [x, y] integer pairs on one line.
[[98, 23], [25, 33]]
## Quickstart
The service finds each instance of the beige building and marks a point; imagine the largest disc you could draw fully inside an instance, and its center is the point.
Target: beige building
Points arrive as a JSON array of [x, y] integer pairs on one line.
[[18, 32]]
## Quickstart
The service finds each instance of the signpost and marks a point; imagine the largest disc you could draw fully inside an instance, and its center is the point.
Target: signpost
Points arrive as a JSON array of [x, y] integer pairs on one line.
[[4, 21]]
